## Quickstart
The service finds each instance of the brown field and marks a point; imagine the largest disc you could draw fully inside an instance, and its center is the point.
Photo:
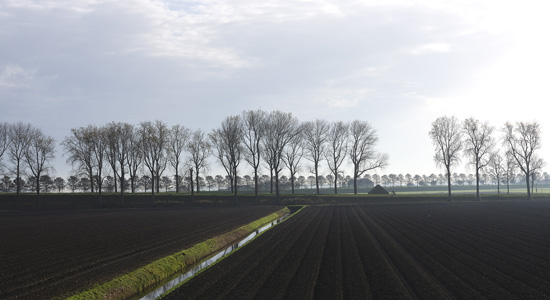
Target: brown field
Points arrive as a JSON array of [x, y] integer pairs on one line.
[[46, 255], [391, 251]]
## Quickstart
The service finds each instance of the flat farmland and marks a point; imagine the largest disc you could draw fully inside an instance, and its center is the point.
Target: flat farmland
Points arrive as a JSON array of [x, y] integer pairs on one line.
[[46, 255], [390, 251]]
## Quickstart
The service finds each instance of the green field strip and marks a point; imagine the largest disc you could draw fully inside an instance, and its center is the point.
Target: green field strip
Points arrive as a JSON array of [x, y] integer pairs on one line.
[[292, 214], [142, 279]]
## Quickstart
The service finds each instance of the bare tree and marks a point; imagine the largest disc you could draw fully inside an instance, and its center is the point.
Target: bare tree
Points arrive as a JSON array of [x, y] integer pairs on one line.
[[227, 141], [269, 156], [119, 140], [166, 183], [20, 136], [134, 156], [315, 138], [38, 155], [178, 139], [99, 148], [78, 147], [447, 139], [280, 130], [210, 182], [292, 155], [59, 183], [199, 149], [4, 138], [111, 132], [154, 140], [362, 155], [162, 163], [124, 141], [72, 182], [253, 130], [478, 145], [538, 164], [496, 168], [337, 139], [46, 182], [522, 141]]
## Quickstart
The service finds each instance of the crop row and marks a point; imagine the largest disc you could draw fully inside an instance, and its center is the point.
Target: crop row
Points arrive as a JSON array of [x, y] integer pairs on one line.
[[397, 251], [54, 254]]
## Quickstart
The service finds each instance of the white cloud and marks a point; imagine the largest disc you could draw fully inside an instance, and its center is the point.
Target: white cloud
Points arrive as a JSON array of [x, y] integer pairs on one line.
[[431, 48], [341, 99], [148, 28], [15, 76]]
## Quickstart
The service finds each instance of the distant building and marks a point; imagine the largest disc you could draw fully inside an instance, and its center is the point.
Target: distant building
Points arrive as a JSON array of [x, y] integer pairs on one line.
[[378, 190]]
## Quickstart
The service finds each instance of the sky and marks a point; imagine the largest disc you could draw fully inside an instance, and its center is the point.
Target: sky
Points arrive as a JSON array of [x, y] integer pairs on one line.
[[397, 64]]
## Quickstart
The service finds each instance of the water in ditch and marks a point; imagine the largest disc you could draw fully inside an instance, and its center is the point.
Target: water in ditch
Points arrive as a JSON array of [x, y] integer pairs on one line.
[[190, 273]]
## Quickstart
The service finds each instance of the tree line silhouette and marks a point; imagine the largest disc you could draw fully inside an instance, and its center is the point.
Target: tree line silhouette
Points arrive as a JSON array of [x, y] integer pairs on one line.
[[120, 157]]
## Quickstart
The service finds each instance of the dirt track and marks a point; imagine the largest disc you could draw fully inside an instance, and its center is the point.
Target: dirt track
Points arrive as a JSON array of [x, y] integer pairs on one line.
[[51, 254], [400, 251]]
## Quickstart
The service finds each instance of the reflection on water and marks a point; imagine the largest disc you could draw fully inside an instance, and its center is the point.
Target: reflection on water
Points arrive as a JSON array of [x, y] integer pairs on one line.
[[190, 273]]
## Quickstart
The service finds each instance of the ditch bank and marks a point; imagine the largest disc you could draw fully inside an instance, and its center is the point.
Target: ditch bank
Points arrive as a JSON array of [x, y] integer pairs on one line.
[[159, 271]]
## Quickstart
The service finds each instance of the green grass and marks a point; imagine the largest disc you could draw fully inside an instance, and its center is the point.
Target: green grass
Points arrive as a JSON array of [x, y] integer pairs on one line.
[[142, 279]]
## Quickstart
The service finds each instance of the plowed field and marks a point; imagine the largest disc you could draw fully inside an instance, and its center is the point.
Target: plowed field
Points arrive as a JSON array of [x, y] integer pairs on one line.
[[399, 251], [51, 254]]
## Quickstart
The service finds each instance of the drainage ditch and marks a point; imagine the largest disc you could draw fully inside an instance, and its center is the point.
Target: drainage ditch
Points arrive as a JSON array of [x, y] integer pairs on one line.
[[159, 291]]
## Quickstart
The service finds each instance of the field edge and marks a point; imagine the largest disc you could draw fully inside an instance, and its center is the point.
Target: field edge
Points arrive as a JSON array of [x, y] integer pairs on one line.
[[141, 279]]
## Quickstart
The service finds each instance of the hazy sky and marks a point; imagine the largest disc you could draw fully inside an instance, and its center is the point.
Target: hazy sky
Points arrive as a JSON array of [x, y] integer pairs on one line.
[[396, 64]]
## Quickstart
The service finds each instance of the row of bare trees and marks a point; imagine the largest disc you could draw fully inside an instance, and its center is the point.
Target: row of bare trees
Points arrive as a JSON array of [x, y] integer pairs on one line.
[[30, 151], [280, 140], [476, 141], [126, 149], [272, 139]]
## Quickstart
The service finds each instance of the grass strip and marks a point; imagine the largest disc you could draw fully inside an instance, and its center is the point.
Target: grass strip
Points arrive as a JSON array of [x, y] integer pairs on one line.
[[142, 279], [294, 210]]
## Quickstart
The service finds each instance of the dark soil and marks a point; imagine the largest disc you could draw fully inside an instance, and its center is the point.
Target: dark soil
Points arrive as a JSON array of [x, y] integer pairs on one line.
[[391, 251], [54, 254]]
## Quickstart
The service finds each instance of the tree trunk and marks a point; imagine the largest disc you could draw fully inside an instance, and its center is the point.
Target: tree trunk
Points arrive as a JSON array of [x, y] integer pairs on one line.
[[355, 175], [271, 180], [91, 181], [153, 187], [191, 180], [477, 182], [38, 189], [197, 181], [18, 180], [498, 185], [336, 183], [449, 181], [121, 185], [527, 181], [177, 181], [38, 186], [235, 182], [317, 177], [292, 182], [277, 187], [256, 187], [158, 182]]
